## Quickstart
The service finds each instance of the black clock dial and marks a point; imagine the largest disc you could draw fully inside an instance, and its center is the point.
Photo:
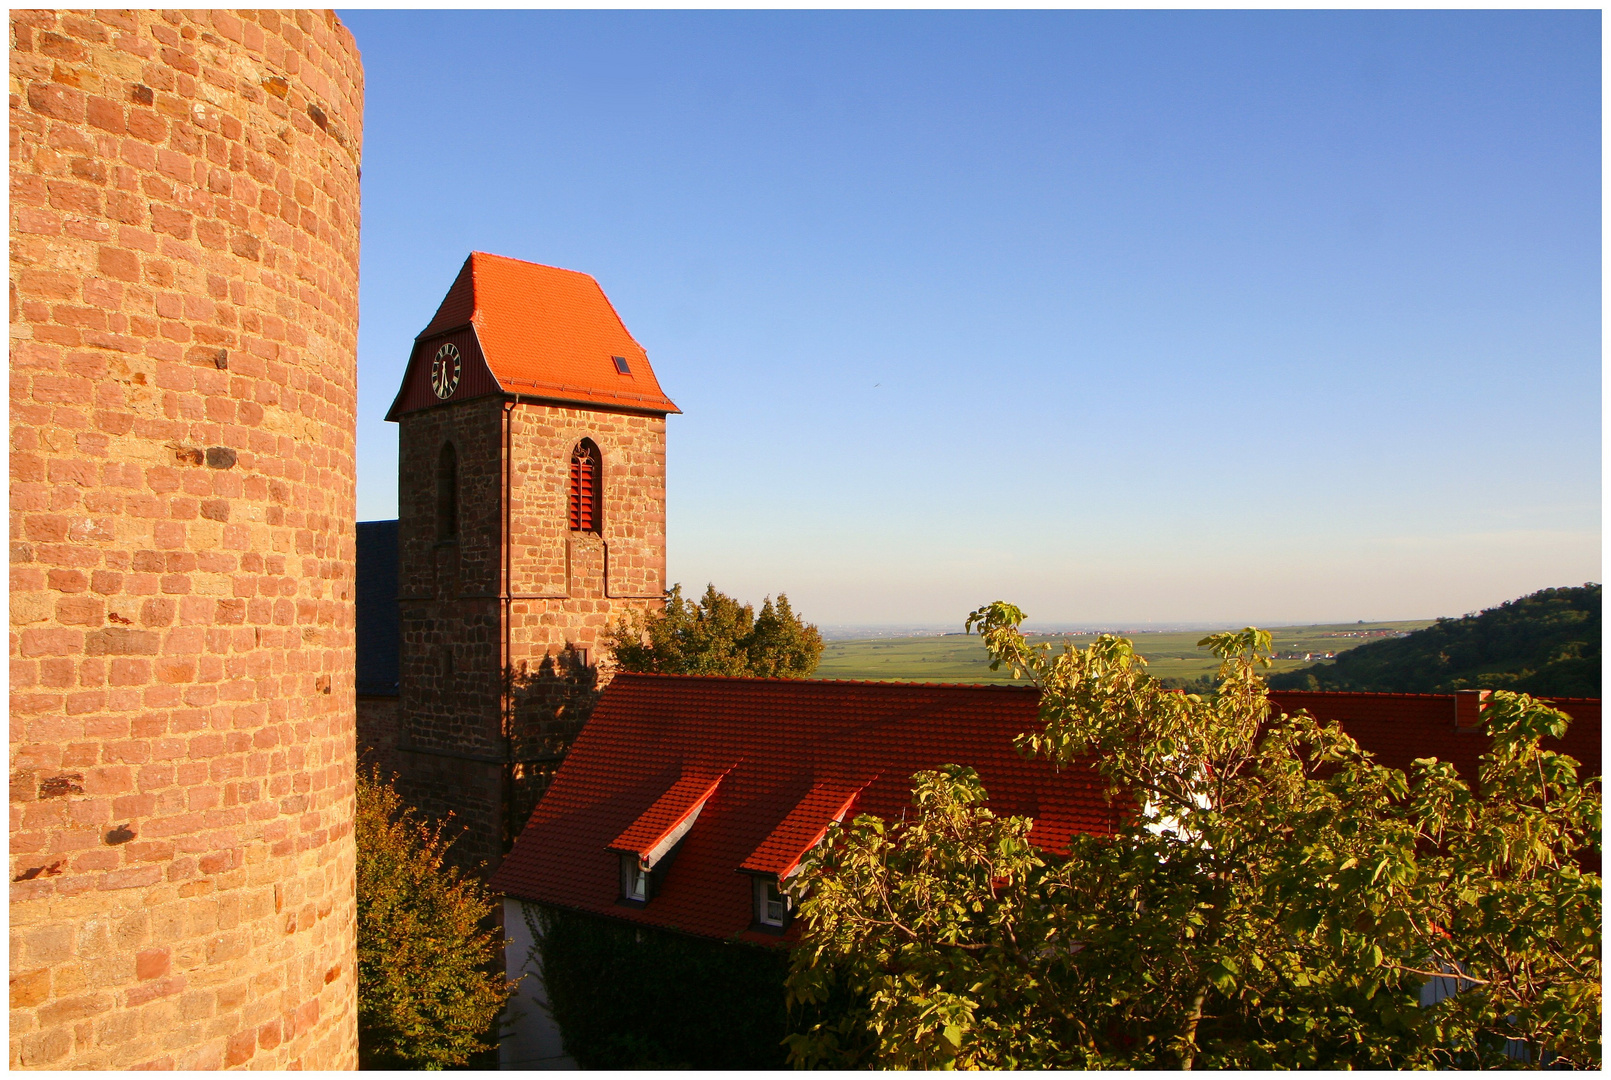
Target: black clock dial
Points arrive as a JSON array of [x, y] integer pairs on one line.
[[445, 371]]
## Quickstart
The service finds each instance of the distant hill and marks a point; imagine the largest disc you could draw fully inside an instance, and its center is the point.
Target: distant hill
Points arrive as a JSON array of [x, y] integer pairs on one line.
[[1547, 643]]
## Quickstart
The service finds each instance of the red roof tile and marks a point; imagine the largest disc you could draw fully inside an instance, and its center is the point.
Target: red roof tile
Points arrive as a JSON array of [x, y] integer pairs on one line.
[[538, 331], [1398, 728], [805, 749], [799, 746]]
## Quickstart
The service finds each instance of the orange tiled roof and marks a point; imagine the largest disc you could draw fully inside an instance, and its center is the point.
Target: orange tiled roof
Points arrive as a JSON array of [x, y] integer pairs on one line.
[[1398, 728], [803, 749], [810, 751], [548, 332]]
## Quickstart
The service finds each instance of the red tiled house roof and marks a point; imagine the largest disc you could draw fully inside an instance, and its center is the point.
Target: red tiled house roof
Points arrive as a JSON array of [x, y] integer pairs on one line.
[[791, 756], [761, 766], [536, 331], [1398, 728]]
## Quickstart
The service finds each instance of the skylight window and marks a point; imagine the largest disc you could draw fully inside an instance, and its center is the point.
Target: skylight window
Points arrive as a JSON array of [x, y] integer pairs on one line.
[[621, 365]]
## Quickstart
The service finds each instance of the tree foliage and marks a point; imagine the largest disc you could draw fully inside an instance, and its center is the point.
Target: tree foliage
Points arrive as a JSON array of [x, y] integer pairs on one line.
[[717, 636], [1270, 897], [1546, 643], [429, 983]]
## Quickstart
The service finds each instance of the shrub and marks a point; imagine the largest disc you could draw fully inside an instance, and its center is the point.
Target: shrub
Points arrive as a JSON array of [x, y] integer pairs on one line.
[[429, 982]]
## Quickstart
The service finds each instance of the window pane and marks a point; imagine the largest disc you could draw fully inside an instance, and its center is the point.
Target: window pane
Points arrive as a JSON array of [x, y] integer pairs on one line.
[[770, 907]]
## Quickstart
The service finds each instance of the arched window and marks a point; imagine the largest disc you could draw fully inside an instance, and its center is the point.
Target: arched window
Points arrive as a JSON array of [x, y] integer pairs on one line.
[[447, 493], [587, 488]]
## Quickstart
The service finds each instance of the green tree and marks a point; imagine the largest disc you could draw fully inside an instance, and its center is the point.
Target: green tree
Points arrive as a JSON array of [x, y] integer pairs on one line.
[[717, 636], [1545, 643], [1270, 897], [429, 985]]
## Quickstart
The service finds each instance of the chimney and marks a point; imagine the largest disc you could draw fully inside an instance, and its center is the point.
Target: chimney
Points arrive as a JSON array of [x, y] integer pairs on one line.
[[1468, 709]]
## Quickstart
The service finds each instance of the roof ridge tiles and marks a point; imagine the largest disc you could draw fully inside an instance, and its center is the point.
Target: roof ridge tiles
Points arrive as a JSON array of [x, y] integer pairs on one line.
[[526, 262], [1365, 693]]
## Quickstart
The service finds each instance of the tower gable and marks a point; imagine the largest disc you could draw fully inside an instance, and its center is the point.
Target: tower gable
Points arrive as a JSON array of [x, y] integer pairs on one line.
[[475, 378], [536, 331]]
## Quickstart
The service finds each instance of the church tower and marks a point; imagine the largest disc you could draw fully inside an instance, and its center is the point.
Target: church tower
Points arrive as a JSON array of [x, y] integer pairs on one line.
[[531, 516]]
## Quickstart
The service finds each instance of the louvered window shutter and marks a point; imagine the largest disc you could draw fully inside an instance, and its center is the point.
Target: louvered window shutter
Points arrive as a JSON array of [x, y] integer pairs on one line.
[[584, 500], [576, 491]]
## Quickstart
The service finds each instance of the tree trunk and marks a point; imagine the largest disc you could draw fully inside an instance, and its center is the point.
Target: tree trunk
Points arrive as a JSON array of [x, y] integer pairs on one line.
[[1188, 1036]]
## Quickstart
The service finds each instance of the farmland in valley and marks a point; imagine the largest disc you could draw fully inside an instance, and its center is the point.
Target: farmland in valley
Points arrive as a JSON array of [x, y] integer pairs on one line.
[[1172, 655]]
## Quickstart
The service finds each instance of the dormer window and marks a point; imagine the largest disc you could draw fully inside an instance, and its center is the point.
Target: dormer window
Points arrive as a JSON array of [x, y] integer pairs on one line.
[[779, 856], [636, 880], [771, 906], [650, 844]]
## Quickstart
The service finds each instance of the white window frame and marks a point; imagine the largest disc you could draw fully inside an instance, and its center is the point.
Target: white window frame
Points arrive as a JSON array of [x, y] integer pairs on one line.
[[762, 891], [635, 883]]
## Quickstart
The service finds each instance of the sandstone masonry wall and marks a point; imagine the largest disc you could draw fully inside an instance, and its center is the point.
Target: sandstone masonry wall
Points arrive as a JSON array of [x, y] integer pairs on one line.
[[447, 587], [500, 662], [184, 282]]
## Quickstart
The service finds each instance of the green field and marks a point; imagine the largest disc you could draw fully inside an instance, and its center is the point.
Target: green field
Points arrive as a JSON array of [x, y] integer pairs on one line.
[[957, 658]]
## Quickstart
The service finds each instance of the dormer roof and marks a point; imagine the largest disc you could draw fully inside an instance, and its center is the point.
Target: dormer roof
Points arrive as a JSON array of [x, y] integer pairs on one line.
[[533, 330], [670, 817], [780, 853]]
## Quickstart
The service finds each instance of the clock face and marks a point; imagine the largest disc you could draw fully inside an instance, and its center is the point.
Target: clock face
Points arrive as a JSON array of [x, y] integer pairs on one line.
[[445, 371]]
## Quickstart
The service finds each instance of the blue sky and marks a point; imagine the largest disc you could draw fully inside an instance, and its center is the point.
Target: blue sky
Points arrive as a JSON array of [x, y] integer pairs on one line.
[[1122, 317]]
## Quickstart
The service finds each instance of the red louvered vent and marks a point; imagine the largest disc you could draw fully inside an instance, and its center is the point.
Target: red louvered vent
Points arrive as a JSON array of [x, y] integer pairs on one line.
[[586, 485]]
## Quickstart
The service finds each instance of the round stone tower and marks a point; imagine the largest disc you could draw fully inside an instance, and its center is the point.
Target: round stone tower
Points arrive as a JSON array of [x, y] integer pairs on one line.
[[184, 312]]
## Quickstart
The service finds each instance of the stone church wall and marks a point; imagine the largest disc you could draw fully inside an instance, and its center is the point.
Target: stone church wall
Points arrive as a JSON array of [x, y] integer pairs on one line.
[[496, 678], [377, 733], [184, 274], [447, 586]]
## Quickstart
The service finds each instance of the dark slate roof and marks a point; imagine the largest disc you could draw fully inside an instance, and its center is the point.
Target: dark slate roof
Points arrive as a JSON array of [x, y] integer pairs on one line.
[[379, 635]]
